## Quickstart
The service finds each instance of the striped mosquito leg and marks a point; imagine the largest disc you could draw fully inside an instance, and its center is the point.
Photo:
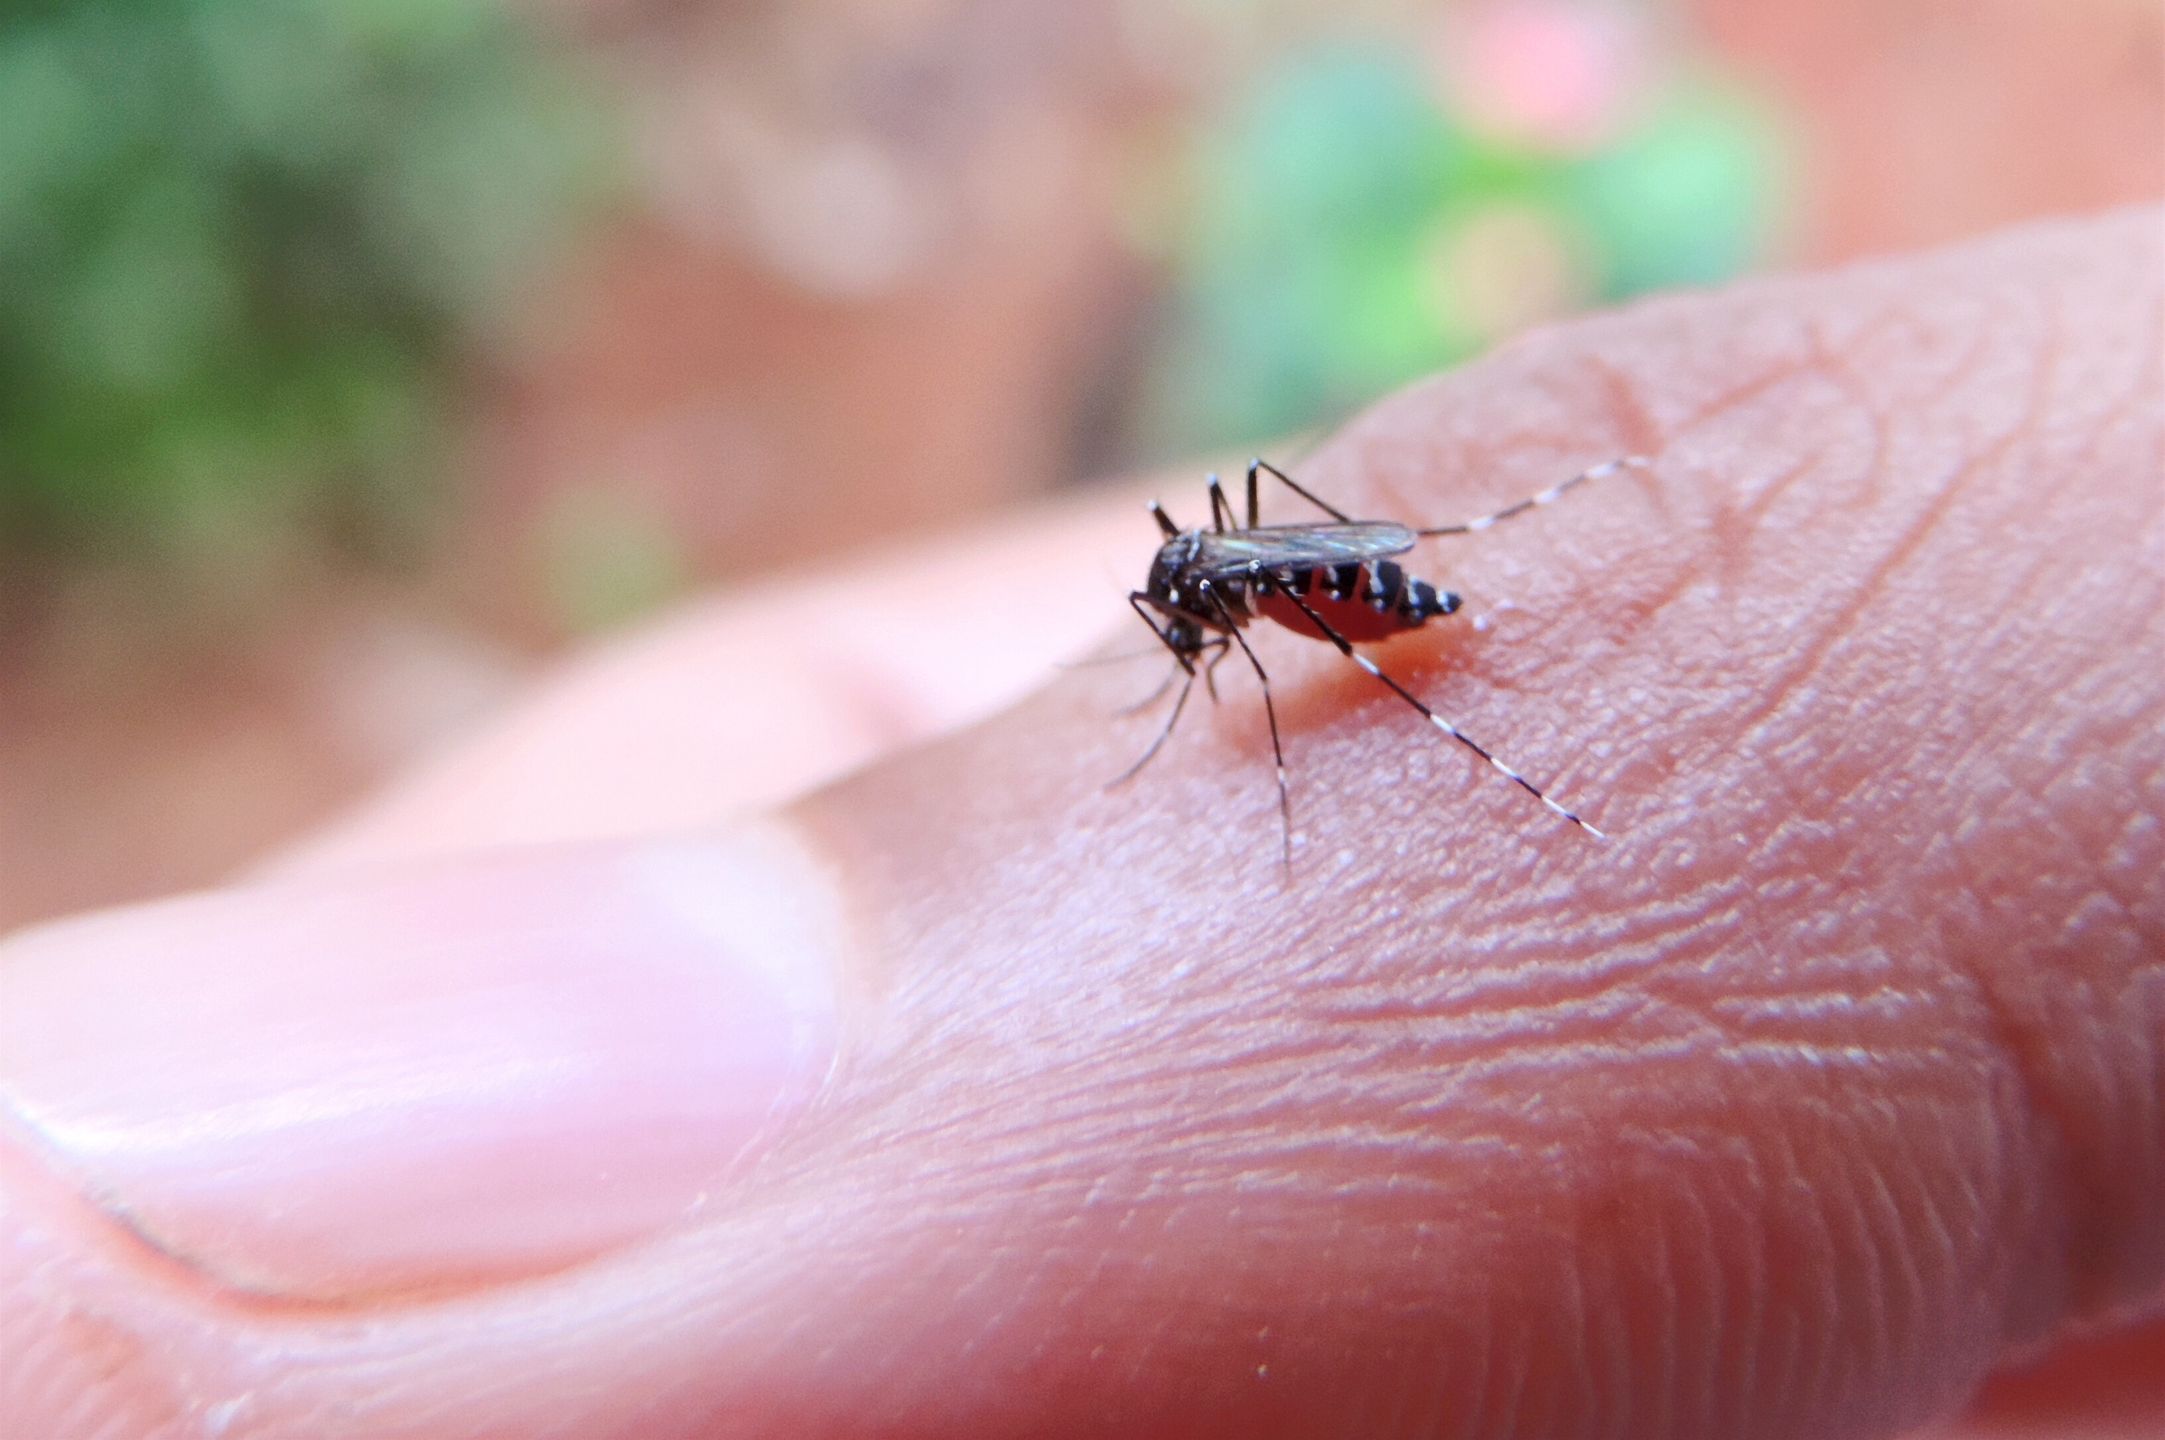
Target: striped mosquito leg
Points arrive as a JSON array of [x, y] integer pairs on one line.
[[1547, 497], [1346, 648], [1270, 713]]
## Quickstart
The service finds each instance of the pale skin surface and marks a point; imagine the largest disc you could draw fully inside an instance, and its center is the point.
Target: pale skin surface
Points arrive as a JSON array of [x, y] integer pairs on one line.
[[1829, 1084]]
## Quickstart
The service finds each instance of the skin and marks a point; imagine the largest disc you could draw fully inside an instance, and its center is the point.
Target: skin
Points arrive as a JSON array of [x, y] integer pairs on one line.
[[1827, 1086]]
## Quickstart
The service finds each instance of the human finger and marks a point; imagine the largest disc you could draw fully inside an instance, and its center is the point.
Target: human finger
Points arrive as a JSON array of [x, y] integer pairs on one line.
[[1831, 1080]]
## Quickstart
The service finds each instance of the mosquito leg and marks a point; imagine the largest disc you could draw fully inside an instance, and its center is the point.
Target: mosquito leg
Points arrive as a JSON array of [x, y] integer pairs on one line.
[[1270, 713], [1547, 497], [1210, 671], [1345, 647], [1221, 509], [1174, 674], [1261, 466], [1136, 601], [1152, 698], [1170, 721]]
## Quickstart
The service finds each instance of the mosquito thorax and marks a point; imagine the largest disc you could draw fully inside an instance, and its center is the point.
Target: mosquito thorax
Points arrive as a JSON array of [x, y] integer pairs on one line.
[[1167, 582]]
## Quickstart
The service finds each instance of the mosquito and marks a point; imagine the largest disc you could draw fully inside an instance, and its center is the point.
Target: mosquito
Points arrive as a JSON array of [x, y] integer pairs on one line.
[[1333, 582]]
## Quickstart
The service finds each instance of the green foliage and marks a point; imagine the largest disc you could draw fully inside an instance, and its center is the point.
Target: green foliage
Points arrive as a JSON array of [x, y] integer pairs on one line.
[[1689, 197], [1303, 246], [608, 559], [240, 244], [1342, 219]]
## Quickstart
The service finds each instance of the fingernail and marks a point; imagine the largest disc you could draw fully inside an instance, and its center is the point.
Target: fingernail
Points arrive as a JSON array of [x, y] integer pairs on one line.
[[412, 1081]]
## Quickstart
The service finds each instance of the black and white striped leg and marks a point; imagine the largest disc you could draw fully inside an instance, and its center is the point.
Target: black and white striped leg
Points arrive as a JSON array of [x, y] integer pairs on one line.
[[1264, 467], [1345, 648], [1547, 497], [1270, 713]]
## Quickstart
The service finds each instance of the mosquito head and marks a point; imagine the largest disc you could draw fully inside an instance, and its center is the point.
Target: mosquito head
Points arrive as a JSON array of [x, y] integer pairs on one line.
[[1184, 637]]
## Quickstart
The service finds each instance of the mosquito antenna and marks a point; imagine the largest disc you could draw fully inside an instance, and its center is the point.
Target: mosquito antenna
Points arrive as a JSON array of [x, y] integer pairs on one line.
[[1345, 647], [1547, 497]]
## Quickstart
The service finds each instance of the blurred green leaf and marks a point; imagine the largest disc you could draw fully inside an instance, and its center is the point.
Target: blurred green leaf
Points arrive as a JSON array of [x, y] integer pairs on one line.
[[609, 559], [1692, 196], [1300, 256], [1322, 260], [242, 244]]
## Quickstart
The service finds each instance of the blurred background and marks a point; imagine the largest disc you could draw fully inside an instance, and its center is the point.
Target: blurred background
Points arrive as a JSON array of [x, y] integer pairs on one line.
[[357, 356]]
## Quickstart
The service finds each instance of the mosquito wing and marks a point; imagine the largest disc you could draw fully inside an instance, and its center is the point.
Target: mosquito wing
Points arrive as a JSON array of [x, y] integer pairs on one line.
[[1225, 555]]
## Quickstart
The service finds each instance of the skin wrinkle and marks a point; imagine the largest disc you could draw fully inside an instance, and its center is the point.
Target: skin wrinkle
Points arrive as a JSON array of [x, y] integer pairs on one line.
[[1494, 1010], [1963, 365], [1637, 1260], [1908, 1299], [2051, 822], [1629, 413], [1801, 1360], [1828, 365], [1712, 1272], [1827, 637], [1655, 1366], [2031, 1043], [2060, 817], [1793, 361], [2033, 1046], [1746, 1357], [1866, 1303], [1482, 1374], [1623, 1343], [1846, 1297], [2148, 379]]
